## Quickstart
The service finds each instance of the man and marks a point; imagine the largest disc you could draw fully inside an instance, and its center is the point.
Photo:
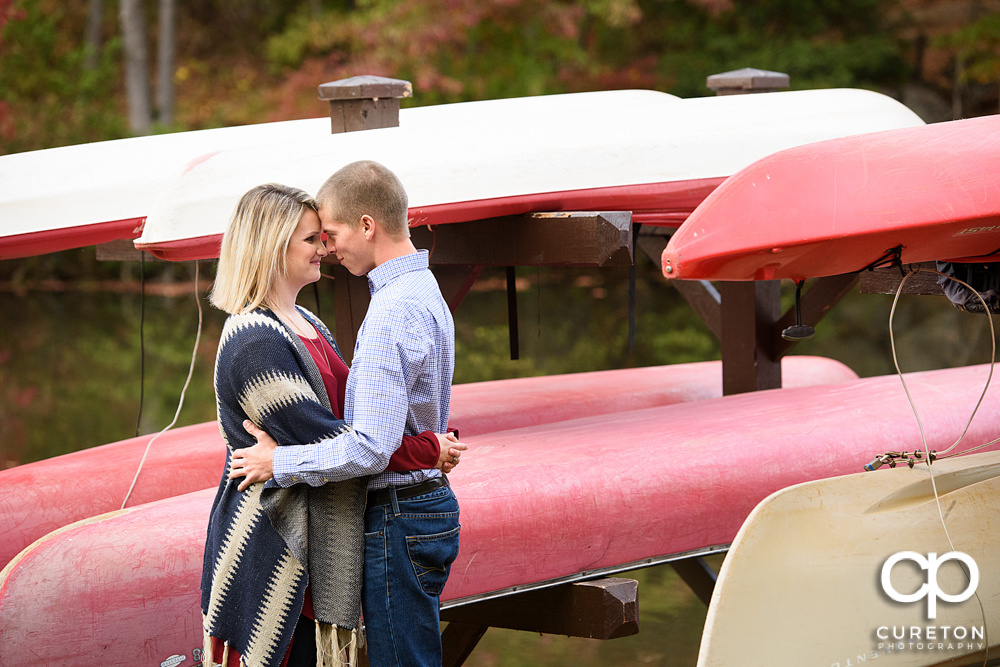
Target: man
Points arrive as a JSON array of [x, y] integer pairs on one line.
[[401, 378]]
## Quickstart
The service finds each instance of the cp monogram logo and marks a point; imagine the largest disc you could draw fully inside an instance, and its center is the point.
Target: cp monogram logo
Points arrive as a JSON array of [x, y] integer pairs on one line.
[[930, 590]]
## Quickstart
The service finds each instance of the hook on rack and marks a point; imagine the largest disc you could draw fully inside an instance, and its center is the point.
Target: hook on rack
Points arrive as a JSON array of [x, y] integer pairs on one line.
[[798, 331]]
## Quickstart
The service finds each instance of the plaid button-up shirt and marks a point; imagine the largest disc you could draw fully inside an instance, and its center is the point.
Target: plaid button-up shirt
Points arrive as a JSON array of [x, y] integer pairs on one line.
[[400, 381]]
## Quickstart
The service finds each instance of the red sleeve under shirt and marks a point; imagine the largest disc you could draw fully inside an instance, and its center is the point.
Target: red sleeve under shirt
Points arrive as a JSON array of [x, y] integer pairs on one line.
[[417, 452]]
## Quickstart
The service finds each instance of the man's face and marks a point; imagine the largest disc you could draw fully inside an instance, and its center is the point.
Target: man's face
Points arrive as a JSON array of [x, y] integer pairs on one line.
[[352, 246]]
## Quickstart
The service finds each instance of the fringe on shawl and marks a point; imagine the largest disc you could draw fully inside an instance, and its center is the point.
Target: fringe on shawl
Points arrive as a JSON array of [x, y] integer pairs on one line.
[[207, 658], [208, 651], [337, 647]]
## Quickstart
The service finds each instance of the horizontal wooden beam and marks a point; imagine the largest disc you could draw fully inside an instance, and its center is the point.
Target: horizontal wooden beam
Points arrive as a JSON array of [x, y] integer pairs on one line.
[[602, 609], [122, 250], [586, 239], [886, 281]]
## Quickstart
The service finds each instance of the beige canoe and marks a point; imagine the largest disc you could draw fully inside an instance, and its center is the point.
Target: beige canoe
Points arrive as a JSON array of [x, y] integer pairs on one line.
[[803, 582]]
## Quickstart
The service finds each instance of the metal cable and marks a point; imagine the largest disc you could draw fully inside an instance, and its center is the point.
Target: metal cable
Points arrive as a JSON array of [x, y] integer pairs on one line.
[[142, 340], [180, 404], [930, 466]]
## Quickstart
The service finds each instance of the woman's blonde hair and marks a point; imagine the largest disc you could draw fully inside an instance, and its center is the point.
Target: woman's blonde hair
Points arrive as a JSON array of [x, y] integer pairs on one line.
[[254, 246]]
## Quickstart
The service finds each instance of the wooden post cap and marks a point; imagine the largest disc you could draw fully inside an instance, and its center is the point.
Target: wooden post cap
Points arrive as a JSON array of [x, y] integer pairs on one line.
[[747, 80], [365, 87], [364, 102]]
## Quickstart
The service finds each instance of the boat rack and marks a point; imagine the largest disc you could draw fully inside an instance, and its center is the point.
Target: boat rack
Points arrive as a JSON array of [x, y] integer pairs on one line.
[[745, 317], [592, 605]]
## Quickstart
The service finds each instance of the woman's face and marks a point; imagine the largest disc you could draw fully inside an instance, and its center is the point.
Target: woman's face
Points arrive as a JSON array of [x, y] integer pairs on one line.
[[305, 250]]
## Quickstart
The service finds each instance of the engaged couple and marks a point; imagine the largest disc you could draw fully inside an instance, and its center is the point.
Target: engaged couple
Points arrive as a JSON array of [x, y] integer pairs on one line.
[[334, 498]]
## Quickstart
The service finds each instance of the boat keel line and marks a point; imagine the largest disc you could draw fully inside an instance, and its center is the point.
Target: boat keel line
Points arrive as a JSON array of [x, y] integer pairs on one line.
[[588, 575]]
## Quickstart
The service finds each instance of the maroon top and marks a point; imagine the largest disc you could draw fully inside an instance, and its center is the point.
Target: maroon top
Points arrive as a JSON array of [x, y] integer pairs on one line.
[[416, 452]]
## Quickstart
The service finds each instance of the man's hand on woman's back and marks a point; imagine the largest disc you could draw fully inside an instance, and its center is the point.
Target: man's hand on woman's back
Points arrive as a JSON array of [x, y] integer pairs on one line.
[[253, 464]]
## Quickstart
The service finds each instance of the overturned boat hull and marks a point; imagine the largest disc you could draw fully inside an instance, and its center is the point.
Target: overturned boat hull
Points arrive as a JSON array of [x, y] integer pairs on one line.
[[40, 497], [813, 557], [609, 493], [912, 195]]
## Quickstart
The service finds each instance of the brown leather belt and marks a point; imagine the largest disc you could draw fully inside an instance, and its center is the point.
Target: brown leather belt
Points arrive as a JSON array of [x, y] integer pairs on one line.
[[384, 496]]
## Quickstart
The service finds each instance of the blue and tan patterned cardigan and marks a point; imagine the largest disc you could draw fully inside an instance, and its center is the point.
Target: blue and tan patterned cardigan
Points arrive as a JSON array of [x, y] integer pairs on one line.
[[267, 543]]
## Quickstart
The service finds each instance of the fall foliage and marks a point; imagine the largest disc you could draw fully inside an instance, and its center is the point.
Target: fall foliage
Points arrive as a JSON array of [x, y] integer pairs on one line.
[[243, 61]]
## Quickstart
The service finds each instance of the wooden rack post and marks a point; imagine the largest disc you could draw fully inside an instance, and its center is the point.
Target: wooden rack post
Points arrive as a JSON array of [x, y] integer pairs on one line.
[[358, 103], [749, 310]]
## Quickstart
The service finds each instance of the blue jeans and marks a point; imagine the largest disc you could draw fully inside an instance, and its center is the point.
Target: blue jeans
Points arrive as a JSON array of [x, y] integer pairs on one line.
[[409, 548]]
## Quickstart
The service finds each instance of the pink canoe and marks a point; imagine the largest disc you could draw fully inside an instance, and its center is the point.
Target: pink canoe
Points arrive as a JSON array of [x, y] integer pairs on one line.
[[38, 498], [838, 206], [540, 505]]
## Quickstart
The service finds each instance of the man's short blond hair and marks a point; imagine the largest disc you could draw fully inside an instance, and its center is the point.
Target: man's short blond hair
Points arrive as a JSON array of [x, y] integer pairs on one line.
[[367, 188], [254, 246]]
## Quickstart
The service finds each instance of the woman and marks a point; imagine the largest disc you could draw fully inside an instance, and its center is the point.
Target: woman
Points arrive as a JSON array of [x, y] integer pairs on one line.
[[279, 367]]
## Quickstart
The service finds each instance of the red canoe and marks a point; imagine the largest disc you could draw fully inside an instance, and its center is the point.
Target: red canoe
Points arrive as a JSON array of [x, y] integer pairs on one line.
[[608, 493], [838, 206], [38, 498]]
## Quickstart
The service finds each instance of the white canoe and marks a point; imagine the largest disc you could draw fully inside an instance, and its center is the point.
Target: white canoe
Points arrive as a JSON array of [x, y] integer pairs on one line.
[[811, 558], [104, 190], [655, 156], [637, 150], [75, 196]]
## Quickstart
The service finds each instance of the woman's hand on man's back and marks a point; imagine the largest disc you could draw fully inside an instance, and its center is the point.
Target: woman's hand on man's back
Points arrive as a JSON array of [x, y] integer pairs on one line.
[[451, 451]]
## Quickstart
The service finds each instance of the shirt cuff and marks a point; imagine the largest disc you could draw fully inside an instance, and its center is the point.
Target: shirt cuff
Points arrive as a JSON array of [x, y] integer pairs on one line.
[[283, 466]]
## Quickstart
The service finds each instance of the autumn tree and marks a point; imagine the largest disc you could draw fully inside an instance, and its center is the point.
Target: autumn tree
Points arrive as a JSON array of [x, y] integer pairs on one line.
[[479, 49], [47, 96], [133, 24], [976, 50], [166, 57], [95, 22]]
